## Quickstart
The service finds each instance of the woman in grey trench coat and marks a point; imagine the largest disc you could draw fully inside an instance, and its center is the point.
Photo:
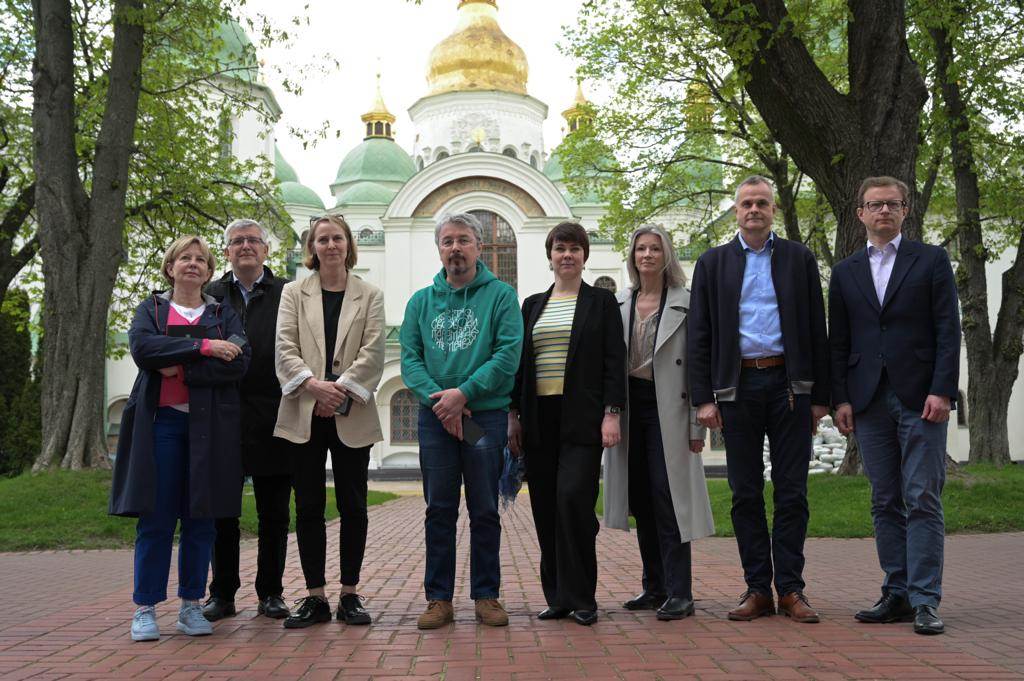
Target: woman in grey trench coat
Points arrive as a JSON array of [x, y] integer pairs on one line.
[[655, 473]]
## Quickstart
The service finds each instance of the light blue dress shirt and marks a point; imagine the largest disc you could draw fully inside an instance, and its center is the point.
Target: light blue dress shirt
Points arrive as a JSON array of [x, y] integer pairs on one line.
[[760, 327], [246, 292]]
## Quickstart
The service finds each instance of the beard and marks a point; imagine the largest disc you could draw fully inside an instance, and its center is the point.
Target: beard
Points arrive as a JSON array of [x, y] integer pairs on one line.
[[457, 265]]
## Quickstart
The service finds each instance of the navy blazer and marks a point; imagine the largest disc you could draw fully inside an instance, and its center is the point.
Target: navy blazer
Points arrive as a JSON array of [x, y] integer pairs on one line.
[[595, 368], [713, 335], [914, 333], [215, 463]]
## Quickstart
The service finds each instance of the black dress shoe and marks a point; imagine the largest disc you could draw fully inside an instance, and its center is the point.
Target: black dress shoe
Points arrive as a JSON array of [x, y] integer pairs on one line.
[[553, 614], [217, 609], [675, 609], [645, 601], [351, 610], [312, 610], [273, 607], [926, 620], [889, 608], [584, 617]]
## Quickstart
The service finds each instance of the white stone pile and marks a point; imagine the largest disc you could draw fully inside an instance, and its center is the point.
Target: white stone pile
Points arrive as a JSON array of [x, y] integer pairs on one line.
[[829, 450]]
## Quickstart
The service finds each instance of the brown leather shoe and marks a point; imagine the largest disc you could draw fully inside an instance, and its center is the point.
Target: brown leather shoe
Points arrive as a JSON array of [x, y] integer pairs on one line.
[[753, 604], [795, 605], [437, 614], [490, 612]]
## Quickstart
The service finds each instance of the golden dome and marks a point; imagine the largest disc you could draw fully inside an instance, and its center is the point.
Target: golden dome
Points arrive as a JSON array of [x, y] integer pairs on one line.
[[477, 55], [378, 119], [579, 113]]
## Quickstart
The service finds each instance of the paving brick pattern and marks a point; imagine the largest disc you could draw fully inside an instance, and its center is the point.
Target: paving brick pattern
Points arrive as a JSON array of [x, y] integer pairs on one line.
[[65, 615]]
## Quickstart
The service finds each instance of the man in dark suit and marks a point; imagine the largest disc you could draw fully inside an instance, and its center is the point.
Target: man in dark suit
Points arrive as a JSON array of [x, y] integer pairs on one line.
[[255, 293], [895, 341], [758, 365]]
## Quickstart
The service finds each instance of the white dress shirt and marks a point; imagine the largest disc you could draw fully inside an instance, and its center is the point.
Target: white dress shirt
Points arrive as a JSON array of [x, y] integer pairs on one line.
[[881, 260]]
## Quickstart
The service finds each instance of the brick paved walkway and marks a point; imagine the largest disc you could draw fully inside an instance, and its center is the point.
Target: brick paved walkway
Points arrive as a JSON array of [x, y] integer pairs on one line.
[[65, 615]]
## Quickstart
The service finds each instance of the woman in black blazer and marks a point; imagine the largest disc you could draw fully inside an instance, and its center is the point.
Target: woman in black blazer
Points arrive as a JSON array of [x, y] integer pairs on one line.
[[569, 391]]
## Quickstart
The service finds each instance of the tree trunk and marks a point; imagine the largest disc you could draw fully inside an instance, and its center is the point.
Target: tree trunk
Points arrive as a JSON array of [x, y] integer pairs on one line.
[[837, 139], [80, 235], [12, 262], [992, 360]]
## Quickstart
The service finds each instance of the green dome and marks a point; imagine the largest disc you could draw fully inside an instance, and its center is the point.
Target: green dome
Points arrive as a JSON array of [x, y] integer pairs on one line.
[[236, 53], [283, 170], [553, 168], [366, 192], [299, 194], [376, 160], [556, 173]]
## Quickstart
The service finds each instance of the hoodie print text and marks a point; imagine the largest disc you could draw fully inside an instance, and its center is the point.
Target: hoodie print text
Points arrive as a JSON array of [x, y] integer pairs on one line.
[[455, 329]]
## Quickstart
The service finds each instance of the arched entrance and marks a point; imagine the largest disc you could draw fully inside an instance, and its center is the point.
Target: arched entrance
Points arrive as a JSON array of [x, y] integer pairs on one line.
[[499, 247]]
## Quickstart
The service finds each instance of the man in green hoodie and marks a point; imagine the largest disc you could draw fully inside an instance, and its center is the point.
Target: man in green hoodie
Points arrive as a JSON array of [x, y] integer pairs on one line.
[[461, 341]]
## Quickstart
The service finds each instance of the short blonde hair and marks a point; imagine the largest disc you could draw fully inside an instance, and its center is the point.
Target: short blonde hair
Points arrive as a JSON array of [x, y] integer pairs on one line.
[[674, 275], [182, 244], [310, 260]]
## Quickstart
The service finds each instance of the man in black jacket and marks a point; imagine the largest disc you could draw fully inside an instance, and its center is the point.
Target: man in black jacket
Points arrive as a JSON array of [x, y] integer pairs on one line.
[[758, 365], [255, 293], [895, 343]]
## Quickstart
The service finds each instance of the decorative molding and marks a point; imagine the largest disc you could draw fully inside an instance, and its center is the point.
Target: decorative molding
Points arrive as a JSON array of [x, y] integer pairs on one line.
[[433, 202]]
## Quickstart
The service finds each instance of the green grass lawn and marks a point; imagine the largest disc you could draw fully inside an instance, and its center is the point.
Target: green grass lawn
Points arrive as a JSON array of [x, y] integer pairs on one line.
[[68, 510], [977, 498]]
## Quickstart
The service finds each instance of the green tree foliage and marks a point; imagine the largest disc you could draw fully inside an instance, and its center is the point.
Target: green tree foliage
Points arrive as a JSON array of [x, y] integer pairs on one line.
[[19, 387]]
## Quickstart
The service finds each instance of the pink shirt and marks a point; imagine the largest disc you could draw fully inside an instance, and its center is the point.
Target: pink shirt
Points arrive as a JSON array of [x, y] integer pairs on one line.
[[173, 391]]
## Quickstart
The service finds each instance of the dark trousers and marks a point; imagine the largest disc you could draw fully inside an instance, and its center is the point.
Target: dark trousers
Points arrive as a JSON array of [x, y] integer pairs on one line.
[[272, 493], [154, 532], [563, 480], [446, 464], [665, 556], [905, 461], [309, 479], [762, 407]]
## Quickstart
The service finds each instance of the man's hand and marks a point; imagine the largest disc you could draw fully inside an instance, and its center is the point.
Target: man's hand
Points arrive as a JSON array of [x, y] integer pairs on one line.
[[515, 433], [449, 405], [709, 416], [610, 434], [327, 393], [936, 409], [696, 446], [844, 418], [818, 411]]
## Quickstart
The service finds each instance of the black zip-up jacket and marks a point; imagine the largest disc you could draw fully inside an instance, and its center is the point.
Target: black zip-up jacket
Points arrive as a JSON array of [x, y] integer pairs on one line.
[[713, 340], [260, 389]]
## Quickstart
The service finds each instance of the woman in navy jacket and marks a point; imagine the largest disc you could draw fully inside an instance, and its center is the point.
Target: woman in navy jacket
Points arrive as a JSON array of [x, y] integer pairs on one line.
[[178, 450]]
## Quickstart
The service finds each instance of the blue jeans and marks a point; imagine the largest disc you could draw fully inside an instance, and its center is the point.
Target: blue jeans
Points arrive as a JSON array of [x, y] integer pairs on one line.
[[447, 463], [904, 459], [154, 532]]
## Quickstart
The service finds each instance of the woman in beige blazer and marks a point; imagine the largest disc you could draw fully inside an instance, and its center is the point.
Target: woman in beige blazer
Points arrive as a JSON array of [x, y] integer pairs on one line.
[[329, 359], [655, 472]]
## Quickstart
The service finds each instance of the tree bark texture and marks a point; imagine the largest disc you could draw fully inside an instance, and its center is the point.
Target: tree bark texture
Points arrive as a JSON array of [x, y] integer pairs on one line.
[[80, 230], [992, 359], [11, 261], [837, 139]]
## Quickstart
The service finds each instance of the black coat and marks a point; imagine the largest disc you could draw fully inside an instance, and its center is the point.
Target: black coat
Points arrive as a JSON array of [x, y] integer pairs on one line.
[[595, 373], [215, 465], [713, 329], [262, 453], [915, 334]]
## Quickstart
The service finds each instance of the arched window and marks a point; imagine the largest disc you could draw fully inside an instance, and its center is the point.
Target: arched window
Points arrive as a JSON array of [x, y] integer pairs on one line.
[[499, 247], [535, 160], [365, 233], [369, 129], [475, 147], [387, 129], [510, 152], [441, 154], [419, 163], [606, 282], [378, 128], [961, 409], [404, 410]]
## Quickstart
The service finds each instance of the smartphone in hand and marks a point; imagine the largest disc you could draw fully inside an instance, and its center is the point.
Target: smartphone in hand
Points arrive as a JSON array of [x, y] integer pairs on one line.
[[471, 431]]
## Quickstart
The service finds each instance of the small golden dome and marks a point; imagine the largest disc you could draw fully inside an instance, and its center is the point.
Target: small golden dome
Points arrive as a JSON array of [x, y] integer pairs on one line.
[[477, 55], [378, 119], [578, 114]]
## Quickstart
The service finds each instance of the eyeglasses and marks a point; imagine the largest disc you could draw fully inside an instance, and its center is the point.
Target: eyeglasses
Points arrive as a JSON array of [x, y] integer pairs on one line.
[[313, 219], [241, 240], [876, 206]]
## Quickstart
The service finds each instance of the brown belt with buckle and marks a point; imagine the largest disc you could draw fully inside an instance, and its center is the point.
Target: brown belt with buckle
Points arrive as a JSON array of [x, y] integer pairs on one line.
[[763, 362]]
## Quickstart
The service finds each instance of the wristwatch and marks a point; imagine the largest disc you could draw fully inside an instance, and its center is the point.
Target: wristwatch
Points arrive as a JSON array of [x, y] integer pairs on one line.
[[613, 410]]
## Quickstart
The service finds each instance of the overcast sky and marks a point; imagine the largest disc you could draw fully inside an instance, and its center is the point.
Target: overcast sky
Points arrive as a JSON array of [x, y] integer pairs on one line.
[[400, 35]]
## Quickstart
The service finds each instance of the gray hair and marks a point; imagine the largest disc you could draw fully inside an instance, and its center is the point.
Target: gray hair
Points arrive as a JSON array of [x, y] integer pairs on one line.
[[753, 180], [674, 275], [242, 223], [463, 219]]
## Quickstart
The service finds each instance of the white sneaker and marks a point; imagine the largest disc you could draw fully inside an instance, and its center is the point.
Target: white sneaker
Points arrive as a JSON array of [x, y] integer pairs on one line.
[[144, 626], [191, 621]]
